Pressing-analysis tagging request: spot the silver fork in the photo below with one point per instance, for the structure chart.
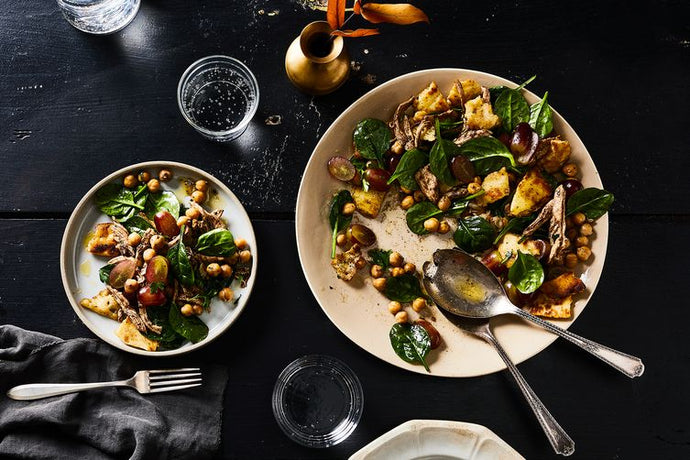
(153, 381)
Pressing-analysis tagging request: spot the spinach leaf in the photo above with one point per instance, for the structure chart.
(162, 201)
(526, 273)
(474, 234)
(403, 288)
(137, 224)
(411, 342)
(439, 157)
(189, 327)
(360, 165)
(159, 316)
(593, 202)
(489, 165)
(483, 148)
(336, 218)
(496, 91)
(540, 117)
(420, 212)
(372, 139)
(512, 108)
(459, 206)
(118, 201)
(104, 273)
(380, 257)
(526, 82)
(410, 163)
(516, 225)
(217, 242)
(179, 262)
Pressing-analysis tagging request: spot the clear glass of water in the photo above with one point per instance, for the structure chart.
(317, 401)
(99, 16)
(218, 96)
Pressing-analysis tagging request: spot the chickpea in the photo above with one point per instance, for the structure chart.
(418, 196)
(245, 256)
(419, 304)
(134, 239)
(586, 229)
(197, 309)
(397, 271)
(581, 241)
(213, 269)
(201, 185)
(473, 188)
(584, 253)
(376, 271)
(401, 317)
(158, 243)
(398, 148)
(164, 175)
(154, 186)
(360, 263)
(394, 307)
(571, 234)
(232, 260)
(198, 196)
(407, 202)
(144, 176)
(183, 220)
(226, 294)
(340, 240)
(395, 259)
(187, 310)
(192, 213)
(405, 190)
(571, 260)
(226, 270)
(570, 169)
(149, 254)
(444, 203)
(131, 286)
(443, 227)
(241, 243)
(130, 181)
(431, 225)
(579, 218)
(409, 268)
(379, 283)
(348, 209)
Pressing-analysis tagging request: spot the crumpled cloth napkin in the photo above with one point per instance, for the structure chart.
(106, 423)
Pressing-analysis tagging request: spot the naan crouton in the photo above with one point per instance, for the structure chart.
(368, 203)
(496, 185)
(128, 333)
(564, 285)
(531, 194)
(431, 100)
(102, 303)
(548, 307)
(480, 115)
(103, 243)
(345, 263)
(552, 154)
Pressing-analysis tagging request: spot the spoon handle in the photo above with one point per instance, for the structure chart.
(559, 439)
(627, 364)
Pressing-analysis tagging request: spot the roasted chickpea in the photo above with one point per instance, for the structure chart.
(579, 218)
(570, 260)
(406, 190)
(360, 263)
(473, 188)
(394, 307)
(340, 240)
(197, 309)
(570, 169)
(431, 225)
(131, 286)
(192, 213)
(134, 239)
(586, 229)
(241, 243)
(183, 220)
(187, 309)
(397, 271)
(348, 209)
(419, 304)
(198, 196)
(154, 186)
(581, 241)
(407, 202)
(158, 243)
(232, 260)
(144, 176)
(149, 254)
(444, 203)
(571, 233)
(226, 270)
(395, 259)
(401, 317)
(569, 222)
(164, 175)
(226, 294)
(376, 271)
(213, 269)
(409, 268)
(379, 284)
(201, 185)
(245, 256)
(418, 196)
(130, 181)
(443, 227)
(584, 253)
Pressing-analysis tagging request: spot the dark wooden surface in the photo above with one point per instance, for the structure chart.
(74, 108)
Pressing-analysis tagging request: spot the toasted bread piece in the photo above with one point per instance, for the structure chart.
(102, 243)
(552, 154)
(510, 245)
(102, 303)
(345, 263)
(368, 203)
(548, 307)
(431, 100)
(496, 186)
(129, 334)
(480, 114)
(564, 285)
(531, 193)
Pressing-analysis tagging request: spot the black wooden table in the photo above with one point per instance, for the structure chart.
(74, 107)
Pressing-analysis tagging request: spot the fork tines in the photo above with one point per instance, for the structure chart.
(174, 379)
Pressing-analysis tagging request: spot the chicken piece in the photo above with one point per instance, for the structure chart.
(425, 131)
(470, 90)
(431, 100)
(455, 95)
(368, 203)
(552, 154)
(103, 242)
(400, 124)
(127, 308)
(547, 307)
(480, 115)
(564, 285)
(469, 134)
(102, 303)
(129, 334)
(428, 183)
(531, 193)
(345, 263)
(496, 185)
(554, 212)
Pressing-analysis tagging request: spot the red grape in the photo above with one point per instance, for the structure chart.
(571, 186)
(362, 235)
(121, 273)
(341, 168)
(166, 224)
(524, 142)
(492, 261)
(377, 178)
(392, 162)
(148, 298)
(462, 169)
(157, 270)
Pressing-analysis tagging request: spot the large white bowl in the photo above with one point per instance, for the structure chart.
(79, 268)
(356, 308)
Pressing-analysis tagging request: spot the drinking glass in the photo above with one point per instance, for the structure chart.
(99, 16)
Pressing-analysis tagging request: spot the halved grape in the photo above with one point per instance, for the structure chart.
(524, 142)
(462, 169)
(341, 168)
(377, 178)
(392, 162)
(571, 186)
(121, 273)
(362, 235)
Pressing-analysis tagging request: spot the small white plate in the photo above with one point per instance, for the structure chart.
(79, 268)
(356, 308)
(438, 439)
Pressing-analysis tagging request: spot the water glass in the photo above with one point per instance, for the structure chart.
(99, 16)
(218, 96)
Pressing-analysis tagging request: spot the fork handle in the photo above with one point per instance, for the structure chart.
(33, 391)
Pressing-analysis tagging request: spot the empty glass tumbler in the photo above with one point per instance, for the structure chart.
(99, 16)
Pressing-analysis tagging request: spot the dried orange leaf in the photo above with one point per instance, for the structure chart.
(396, 13)
(355, 33)
(335, 14)
(357, 7)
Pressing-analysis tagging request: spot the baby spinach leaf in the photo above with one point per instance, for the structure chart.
(439, 157)
(403, 288)
(420, 212)
(360, 165)
(540, 117)
(189, 327)
(217, 242)
(104, 273)
(496, 91)
(336, 218)
(179, 261)
(162, 201)
(526, 273)
(380, 257)
(411, 342)
(137, 224)
(410, 163)
(592, 202)
(118, 201)
(474, 234)
(372, 138)
(485, 147)
(512, 108)
(459, 206)
(159, 316)
(515, 225)
(526, 82)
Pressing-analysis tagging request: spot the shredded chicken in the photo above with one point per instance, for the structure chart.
(428, 183)
(400, 124)
(121, 234)
(147, 322)
(127, 308)
(486, 95)
(554, 212)
(467, 134)
(456, 192)
(426, 124)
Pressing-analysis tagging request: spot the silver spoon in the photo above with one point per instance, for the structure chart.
(462, 285)
(559, 439)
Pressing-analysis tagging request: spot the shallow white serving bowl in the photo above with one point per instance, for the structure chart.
(360, 311)
(79, 268)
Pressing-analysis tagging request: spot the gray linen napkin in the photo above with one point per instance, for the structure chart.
(107, 423)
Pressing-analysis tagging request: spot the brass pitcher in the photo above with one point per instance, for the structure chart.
(316, 62)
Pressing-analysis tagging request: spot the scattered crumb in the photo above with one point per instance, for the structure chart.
(274, 120)
(274, 13)
(369, 79)
(365, 51)
(355, 66)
